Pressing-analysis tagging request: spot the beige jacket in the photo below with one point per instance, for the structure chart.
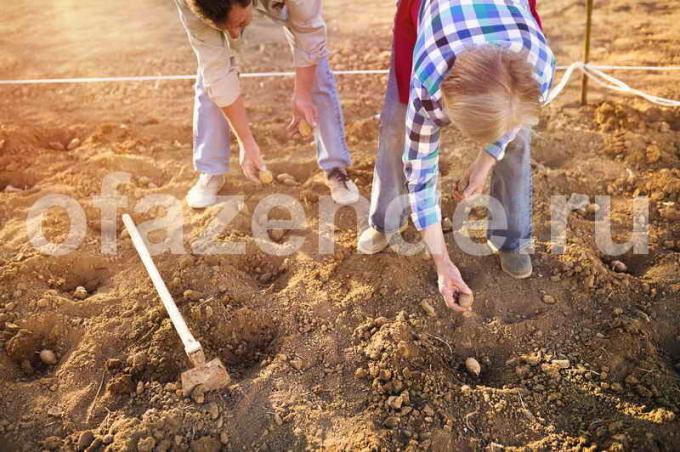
(217, 64)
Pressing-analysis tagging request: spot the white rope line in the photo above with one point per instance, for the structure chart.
(557, 89)
(593, 71)
(606, 81)
(609, 82)
(152, 78)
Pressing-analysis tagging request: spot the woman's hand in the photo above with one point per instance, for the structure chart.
(474, 177)
(451, 284)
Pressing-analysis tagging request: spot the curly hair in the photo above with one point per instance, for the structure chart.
(215, 12)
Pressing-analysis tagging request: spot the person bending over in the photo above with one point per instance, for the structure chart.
(484, 66)
(214, 29)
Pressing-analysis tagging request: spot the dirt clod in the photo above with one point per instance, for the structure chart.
(85, 439)
(428, 308)
(198, 394)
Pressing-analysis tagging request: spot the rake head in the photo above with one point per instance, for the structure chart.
(212, 375)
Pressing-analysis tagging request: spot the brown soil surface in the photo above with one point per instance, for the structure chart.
(328, 352)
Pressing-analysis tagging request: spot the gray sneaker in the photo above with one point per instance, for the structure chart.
(517, 265)
(343, 190)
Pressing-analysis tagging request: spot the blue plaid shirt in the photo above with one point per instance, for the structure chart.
(445, 29)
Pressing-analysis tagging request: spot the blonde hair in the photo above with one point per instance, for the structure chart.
(491, 91)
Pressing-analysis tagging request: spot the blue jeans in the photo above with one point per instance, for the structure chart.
(510, 182)
(212, 133)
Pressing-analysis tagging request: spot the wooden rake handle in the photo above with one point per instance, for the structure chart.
(191, 346)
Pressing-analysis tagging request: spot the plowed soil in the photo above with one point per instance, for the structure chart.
(336, 351)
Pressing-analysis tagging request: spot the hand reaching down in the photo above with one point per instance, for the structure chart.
(474, 177)
(451, 285)
(251, 162)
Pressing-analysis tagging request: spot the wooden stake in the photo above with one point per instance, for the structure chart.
(586, 51)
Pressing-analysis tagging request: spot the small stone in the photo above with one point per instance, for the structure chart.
(80, 293)
(549, 299)
(391, 421)
(113, 364)
(522, 371)
(653, 153)
(592, 208)
(616, 387)
(631, 380)
(619, 267)
(48, 357)
(52, 443)
(224, 437)
(107, 439)
(297, 363)
(213, 410)
(395, 402)
(56, 145)
(472, 366)
(428, 410)
(447, 225)
(74, 143)
(284, 177)
(146, 444)
(380, 321)
(191, 295)
(205, 444)
(85, 439)
(277, 234)
(385, 375)
(643, 391)
(277, 419)
(140, 388)
(198, 394)
(360, 372)
(43, 303)
(562, 363)
(554, 396)
(427, 307)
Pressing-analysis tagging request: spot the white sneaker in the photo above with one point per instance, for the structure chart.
(343, 190)
(372, 241)
(204, 192)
